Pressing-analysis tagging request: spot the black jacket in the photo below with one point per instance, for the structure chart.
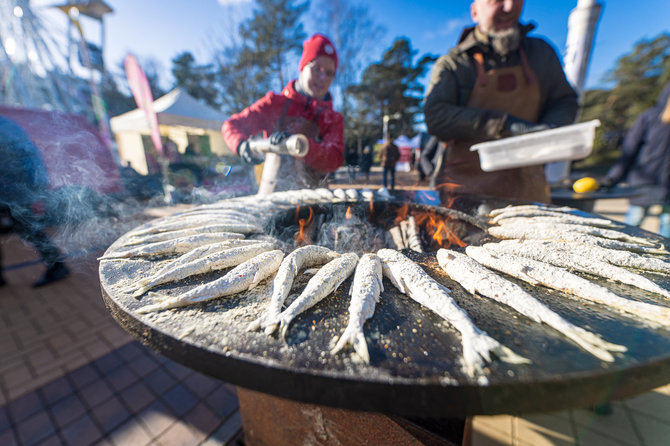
(645, 157)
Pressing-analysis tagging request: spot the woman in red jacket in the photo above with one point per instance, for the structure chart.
(304, 106)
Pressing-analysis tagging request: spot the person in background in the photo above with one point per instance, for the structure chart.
(645, 164)
(389, 156)
(351, 159)
(304, 107)
(23, 183)
(366, 162)
(496, 82)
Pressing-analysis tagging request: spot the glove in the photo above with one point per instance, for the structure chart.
(277, 138)
(247, 155)
(514, 126)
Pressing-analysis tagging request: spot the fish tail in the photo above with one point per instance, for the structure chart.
(283, 328)
(143, 287)
(361, 347)
(270, 327)
(355, 338)
(162, 302)
(255, 325)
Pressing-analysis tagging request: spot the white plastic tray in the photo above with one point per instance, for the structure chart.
(561, 144)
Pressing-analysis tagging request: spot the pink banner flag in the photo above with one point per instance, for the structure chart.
(139, 85)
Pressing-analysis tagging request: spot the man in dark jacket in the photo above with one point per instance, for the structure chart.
(389, 156)
(497, 82)
(23, 182)
(645, 163)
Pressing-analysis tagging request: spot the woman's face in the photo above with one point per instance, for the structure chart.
(317, 76)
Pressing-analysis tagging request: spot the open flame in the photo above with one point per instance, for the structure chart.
(302, 238)
(347, 215)
(435, 228)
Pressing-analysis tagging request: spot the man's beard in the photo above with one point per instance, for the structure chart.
(505, 41)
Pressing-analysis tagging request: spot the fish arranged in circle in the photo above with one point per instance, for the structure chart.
(541, 245)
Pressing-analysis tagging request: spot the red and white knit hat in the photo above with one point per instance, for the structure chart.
(315, 46)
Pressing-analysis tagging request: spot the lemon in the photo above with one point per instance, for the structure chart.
(586, 184)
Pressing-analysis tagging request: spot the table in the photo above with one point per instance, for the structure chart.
(414, 372)
(586, 201)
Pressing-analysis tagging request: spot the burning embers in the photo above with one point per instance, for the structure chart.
(368, 227)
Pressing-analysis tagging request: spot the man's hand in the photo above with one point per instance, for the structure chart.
(277, 138)
(247, 155)
(514, 126)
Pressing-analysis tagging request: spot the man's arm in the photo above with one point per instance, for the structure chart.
(259, 116)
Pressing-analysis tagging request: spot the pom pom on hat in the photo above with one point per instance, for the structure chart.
(315, 46)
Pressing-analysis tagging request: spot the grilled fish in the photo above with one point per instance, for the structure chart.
(579, 262)
(303, 257)
(412, 280)
(558, 218)
(468, 271)
(171, 235)
(364, 291)
(616, 257)
(569, 227)
(325, 281)
(535, 273)
(243, 277)
(530, 210)
(212, 261)
(176, 246)
(548, 233)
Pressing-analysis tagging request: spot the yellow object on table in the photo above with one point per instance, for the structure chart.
(586, 184)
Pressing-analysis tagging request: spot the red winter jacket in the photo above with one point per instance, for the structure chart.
(326, 154)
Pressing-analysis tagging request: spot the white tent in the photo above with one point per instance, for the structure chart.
(177, 108)
(181, 118)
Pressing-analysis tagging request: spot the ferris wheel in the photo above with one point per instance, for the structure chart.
(36, 62)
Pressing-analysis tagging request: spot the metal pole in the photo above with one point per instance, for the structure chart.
(579, 42)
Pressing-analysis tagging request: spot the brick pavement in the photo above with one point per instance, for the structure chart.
(69, 375)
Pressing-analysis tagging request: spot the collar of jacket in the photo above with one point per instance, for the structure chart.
(469, 40)
(290, 92)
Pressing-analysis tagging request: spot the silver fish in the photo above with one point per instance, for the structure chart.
(243, 277)
(171, 235)
(530, 209)
(351, 194)
(306, 256)
(548, 233)
(324, 282)
(412, 280)
(616, 257)
(339, 195)
(187, 266)
(195, 222)
(535, 273)
(558, 218)
(365, 291)
(584, 229)
(578, 262)
(326, 194)
(468, 271)
(177, 246)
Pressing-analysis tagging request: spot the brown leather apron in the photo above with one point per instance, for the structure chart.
(513, 90)
(293, 173)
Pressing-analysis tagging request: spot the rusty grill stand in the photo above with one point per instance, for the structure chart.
(272, 421)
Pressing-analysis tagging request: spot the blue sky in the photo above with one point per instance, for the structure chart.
(163, 28)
